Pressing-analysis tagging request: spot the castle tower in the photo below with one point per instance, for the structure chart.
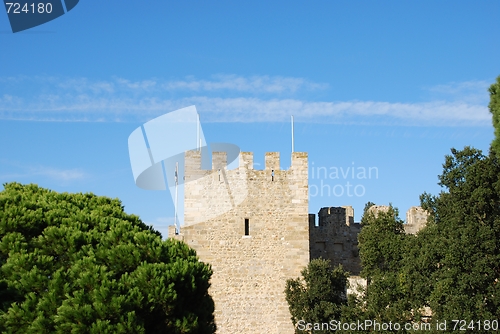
(335, 237)
(252, 227)
(416, 219)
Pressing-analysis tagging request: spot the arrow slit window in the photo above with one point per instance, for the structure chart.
(247, 226)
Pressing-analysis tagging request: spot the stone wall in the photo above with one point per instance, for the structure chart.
(250, 269)
(335, 237)
(416, 219)
(378, 208)
(357, 285)
(253, 227)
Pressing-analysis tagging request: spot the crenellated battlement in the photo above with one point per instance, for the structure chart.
(335, 237)
(272, 160)
(416, 217)
(253, 226)
(219, 160)
(219, 189)
(343, 214)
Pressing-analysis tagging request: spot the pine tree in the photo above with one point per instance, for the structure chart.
(77, 263)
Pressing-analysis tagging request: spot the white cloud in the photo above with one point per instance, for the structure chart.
(254, 84)
(59, 174)
(138, 85)
(161, 221)
(56, 174)
(84, 108)
(248, 110)
(82, 85)
(475, 91)
(124, 100)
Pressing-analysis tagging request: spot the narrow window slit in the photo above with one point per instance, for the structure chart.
(247, 226)
(272, 175)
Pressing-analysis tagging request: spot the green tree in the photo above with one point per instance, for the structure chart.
(381, 241)
(451, 267)
(494, 107)
(318, 296)
(459, 250)
(77, 263)
(382, 249)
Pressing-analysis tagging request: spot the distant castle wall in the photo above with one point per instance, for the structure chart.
(416, 217)
(335, 237)
(252, 227)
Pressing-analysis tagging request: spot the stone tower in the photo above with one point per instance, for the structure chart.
(416, 219)
(252, 227)
(335, 237)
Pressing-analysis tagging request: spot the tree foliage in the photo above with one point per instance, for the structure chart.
(381, 242)
(494, 107)
(77, 263)
(449, 270)
(318, 296)
(383, 245)
(459, 252)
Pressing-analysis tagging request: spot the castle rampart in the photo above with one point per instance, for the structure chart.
(416, 218)
(335, 237)
(251, 226)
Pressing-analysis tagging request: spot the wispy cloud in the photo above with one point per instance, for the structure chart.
(55, 174)
(439, 113)
(144, 85)
(258, 99)
(83, 85)
(475, 91)
(60, 174)
(84, 108)
(218, 83)
(254, 84)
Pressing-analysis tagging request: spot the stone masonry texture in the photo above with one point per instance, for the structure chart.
(254, 228)
(250, 271)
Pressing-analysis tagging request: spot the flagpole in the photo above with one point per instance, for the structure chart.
(177, 228)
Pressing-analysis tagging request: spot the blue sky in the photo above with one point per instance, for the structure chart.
(390, 85)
